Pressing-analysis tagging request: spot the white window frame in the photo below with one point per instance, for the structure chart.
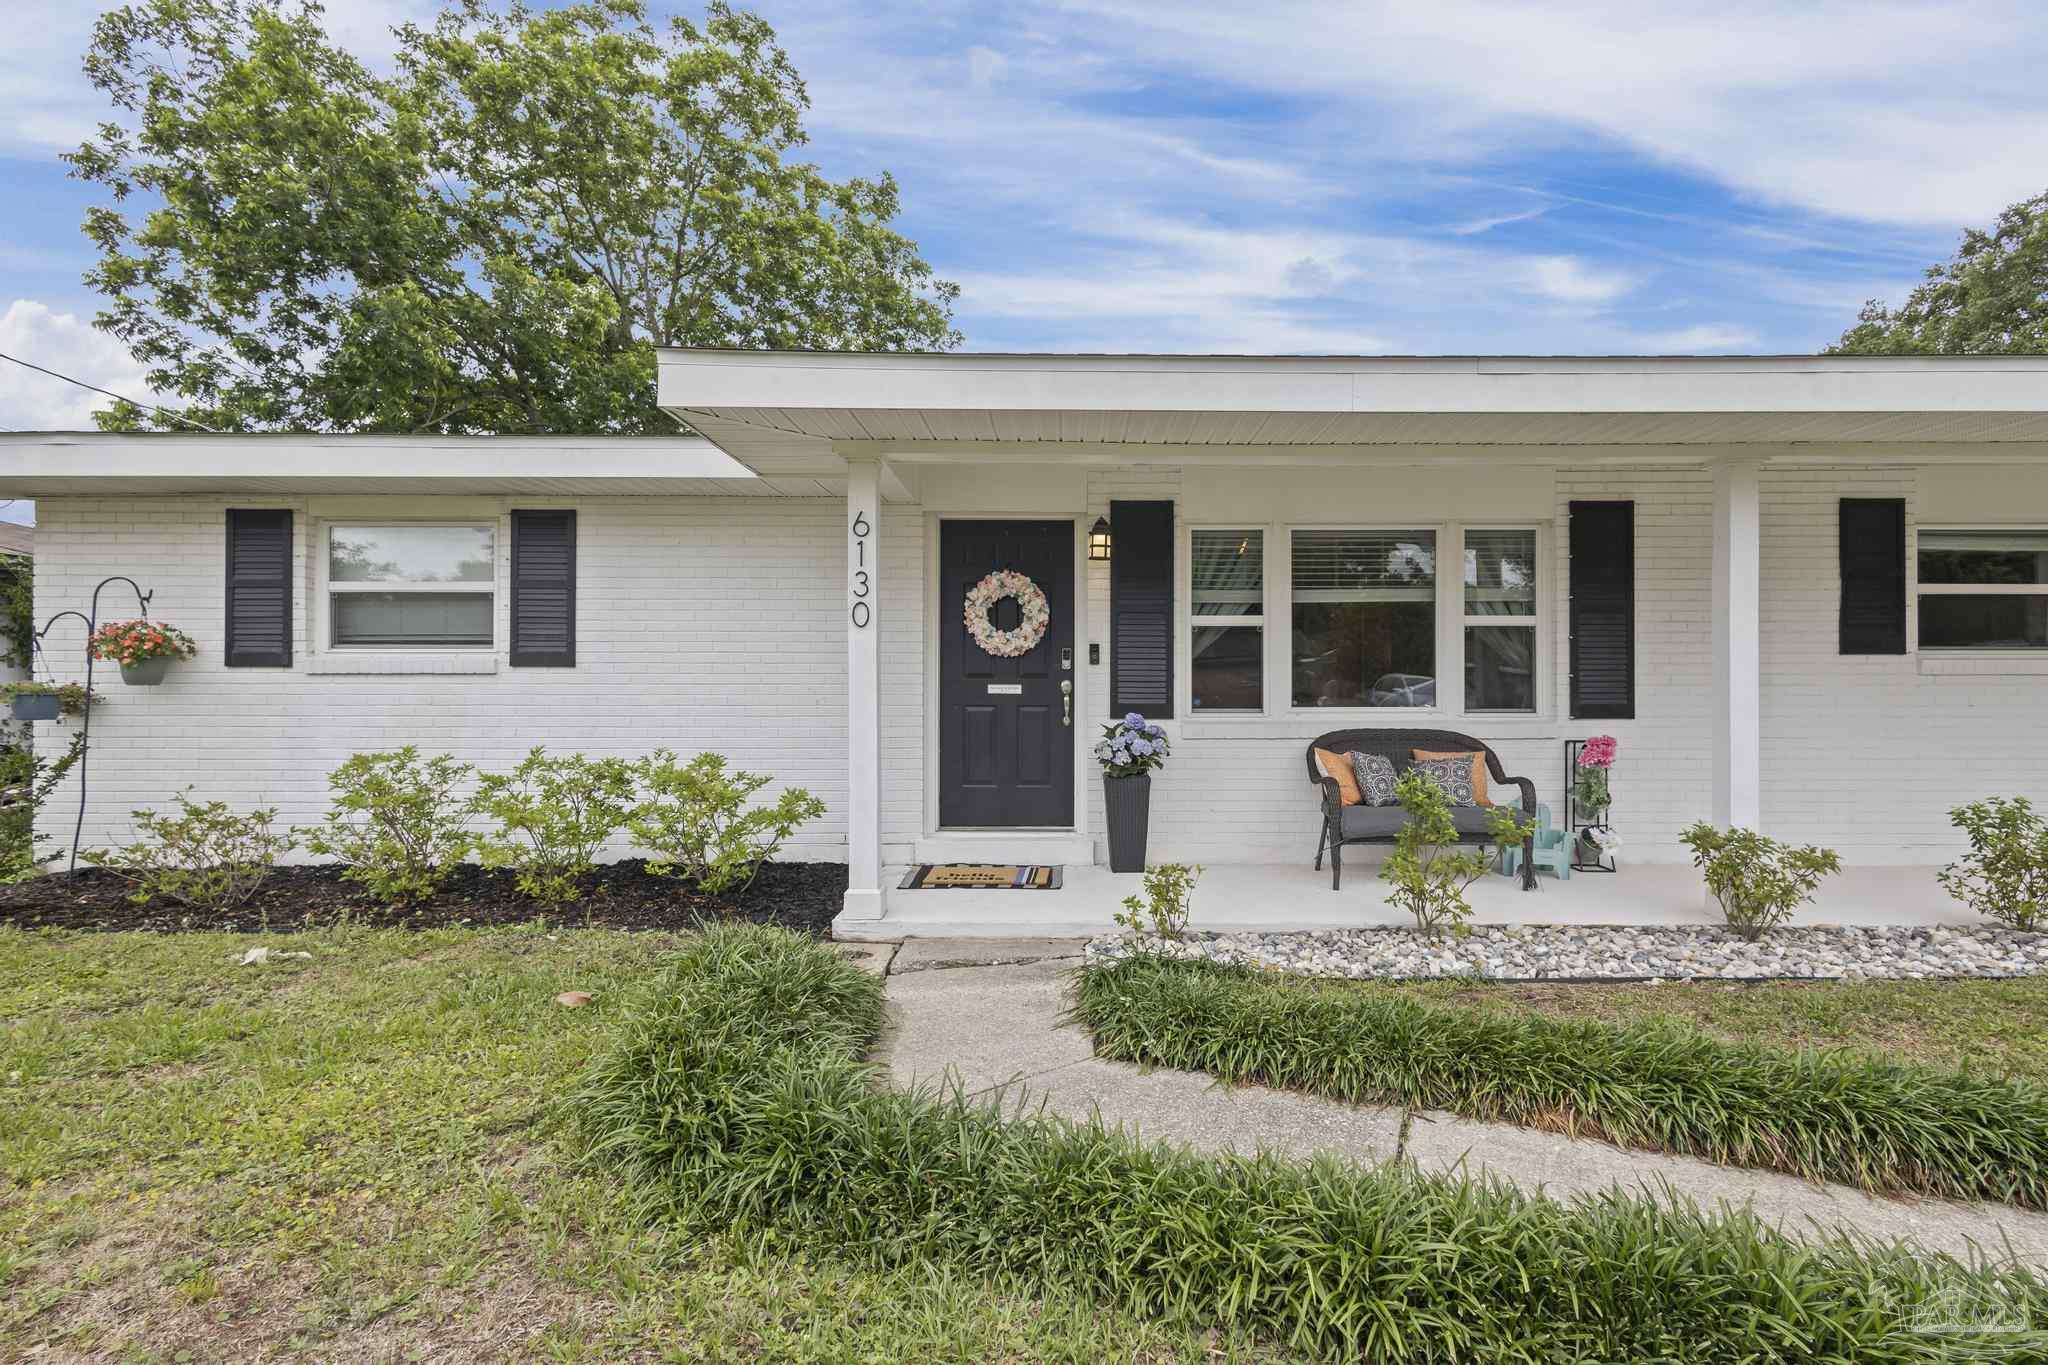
(1184, 646)
(326, 587)
(1920, 589)
(1443, 533)
(1539, 645)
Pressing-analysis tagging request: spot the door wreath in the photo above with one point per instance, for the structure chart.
(1007, 644)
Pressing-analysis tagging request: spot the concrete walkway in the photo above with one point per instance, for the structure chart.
(987, 1011)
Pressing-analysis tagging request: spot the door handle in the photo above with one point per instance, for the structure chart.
(1066, 702)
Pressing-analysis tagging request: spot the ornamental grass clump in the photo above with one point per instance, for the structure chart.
(735, 1100)
(1821, 1116)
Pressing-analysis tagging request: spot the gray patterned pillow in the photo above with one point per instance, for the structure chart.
(1453, 777)
(1375, 774)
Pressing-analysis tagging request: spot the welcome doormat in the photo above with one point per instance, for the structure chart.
(982, 877)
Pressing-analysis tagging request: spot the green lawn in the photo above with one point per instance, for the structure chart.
(353, 1157)
(1997, 1028)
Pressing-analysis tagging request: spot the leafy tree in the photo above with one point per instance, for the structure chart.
(1991, 299)
(494, 237)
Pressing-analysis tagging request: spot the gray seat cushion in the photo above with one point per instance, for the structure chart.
(1384, 822)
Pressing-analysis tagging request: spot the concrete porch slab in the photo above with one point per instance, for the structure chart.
(1273, 897)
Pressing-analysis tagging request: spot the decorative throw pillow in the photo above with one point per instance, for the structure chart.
(1453, 777)
(1480, 796)
(1338, 768)
(1375, 773)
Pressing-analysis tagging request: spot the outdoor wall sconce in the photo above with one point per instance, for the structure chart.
(1098, 539)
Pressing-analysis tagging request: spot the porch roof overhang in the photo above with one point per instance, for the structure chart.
(786, 412)
(53, 464)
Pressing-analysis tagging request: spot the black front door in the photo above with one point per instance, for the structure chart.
(1006, 738)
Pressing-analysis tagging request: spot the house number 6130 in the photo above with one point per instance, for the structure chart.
(862, 613)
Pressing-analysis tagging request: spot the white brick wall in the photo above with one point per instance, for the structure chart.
(703, 623)
(1662, 779)
(718, 623)
(1868, 754)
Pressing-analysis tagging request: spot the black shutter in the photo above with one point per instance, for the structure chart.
(543, 589)
(259, 577)
(1873, 552)
(1603, 610)
(1141, 608)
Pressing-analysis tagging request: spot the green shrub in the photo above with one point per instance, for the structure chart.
(1758, 881)
(736, 1099)
(1649, 1085)
(204, 856)
(399, 823)
(26, 783)
(2004, 876)
(695, 821)
(1428, 871)
(1163, 910)
(553, 815)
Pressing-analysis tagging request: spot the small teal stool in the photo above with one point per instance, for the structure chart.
(1553, 849)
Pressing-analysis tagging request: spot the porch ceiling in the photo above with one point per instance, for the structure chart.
(790, 412)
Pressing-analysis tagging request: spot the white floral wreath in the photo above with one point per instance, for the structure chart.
(1007, 644)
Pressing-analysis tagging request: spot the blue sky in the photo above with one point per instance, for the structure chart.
(1291, 176)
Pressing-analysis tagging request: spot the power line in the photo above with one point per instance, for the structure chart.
(155, 407)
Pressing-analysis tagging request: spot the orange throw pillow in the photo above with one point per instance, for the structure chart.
(1479, 796)
(1339, 767)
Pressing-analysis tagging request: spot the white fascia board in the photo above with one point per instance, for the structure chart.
(284, 458)
(1535, 384)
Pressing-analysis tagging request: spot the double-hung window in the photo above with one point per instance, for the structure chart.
(1364, 618)
(1500, 620)
(410, 585)
(1227, 607)
(1983, 589)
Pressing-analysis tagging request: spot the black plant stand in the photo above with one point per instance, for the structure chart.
(92, 624)
(1578, 821)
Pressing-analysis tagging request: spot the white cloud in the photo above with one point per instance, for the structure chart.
(69, 345)
(1697, 339)
(1472, 227)
(1885, 111)
(46, 104)
(985, 65)
(1567, 279)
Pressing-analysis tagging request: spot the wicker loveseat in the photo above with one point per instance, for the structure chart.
(1342, 824)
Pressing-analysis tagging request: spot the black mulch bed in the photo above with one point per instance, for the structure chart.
(799, 896)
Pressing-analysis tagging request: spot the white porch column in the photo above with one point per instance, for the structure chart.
(863, 692)
(1738, 656)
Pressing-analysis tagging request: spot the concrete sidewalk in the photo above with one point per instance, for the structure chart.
(996, 1026)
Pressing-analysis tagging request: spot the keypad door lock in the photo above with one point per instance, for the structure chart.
(1067, 658)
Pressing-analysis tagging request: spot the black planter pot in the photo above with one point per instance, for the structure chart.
(1127, 803)
(37, 706)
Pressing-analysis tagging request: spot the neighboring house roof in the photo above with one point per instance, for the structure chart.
(17, 540)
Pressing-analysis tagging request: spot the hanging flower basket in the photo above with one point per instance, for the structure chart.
(36, 706)
(45, 701)
(143, 648)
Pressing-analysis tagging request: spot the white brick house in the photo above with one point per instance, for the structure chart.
(784, 588)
